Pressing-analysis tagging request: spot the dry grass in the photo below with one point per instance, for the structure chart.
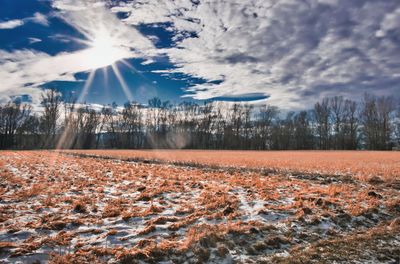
(363, 164)
(94, 209)
(356, 247)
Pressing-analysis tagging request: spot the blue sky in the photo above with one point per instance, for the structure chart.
(288, 53)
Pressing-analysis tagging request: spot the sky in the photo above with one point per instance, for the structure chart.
(288, 53)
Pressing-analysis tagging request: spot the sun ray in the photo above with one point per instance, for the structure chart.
(81, 41)
(122, 82)
(105, 75)
(86, 88)
(127, 64)
(63, 138)
(130, 66)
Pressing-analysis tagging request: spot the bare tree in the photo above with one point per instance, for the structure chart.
(13, 119)
(132, 124)
(351, 125)
(265, 119)
(375, 119)
(247, 126)
(322, 117)
(337, 109)
(302, 131)
(51, 102)
(397, 127)
(334, 123)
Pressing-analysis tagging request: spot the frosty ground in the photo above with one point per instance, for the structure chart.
(77, 207)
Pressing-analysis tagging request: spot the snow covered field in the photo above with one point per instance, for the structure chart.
(71, 208)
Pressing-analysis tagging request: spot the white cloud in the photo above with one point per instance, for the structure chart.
(293, 51)
(22, 71)
(391, 21)
(71, 5)
(36, 18)
(40, 19)
(10, 24)
(34, 40)
(97, 20)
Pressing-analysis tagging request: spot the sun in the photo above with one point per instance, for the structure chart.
(104, 51)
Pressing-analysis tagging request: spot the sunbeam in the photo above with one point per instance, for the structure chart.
(122, 82)
(130, 66)
(106, 42)
(105, 76)
(104, 50)
(64, 136)
(105, 79)
(86, 88)
(127, 64)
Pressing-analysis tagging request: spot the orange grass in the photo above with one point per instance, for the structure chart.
(96, 206)
(363, 164)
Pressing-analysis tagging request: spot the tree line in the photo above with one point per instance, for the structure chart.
(333, 123)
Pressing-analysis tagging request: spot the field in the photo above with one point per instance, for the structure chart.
(199, 207)
(362, 165)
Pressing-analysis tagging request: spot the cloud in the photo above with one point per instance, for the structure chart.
(36, 18)
(39, 19)
(254, 98)
(10, 24)
(77, 5)
(293, 52)
(34, 40)
(93, 21)
(285, 49)
(23, 71)
(390, 22)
